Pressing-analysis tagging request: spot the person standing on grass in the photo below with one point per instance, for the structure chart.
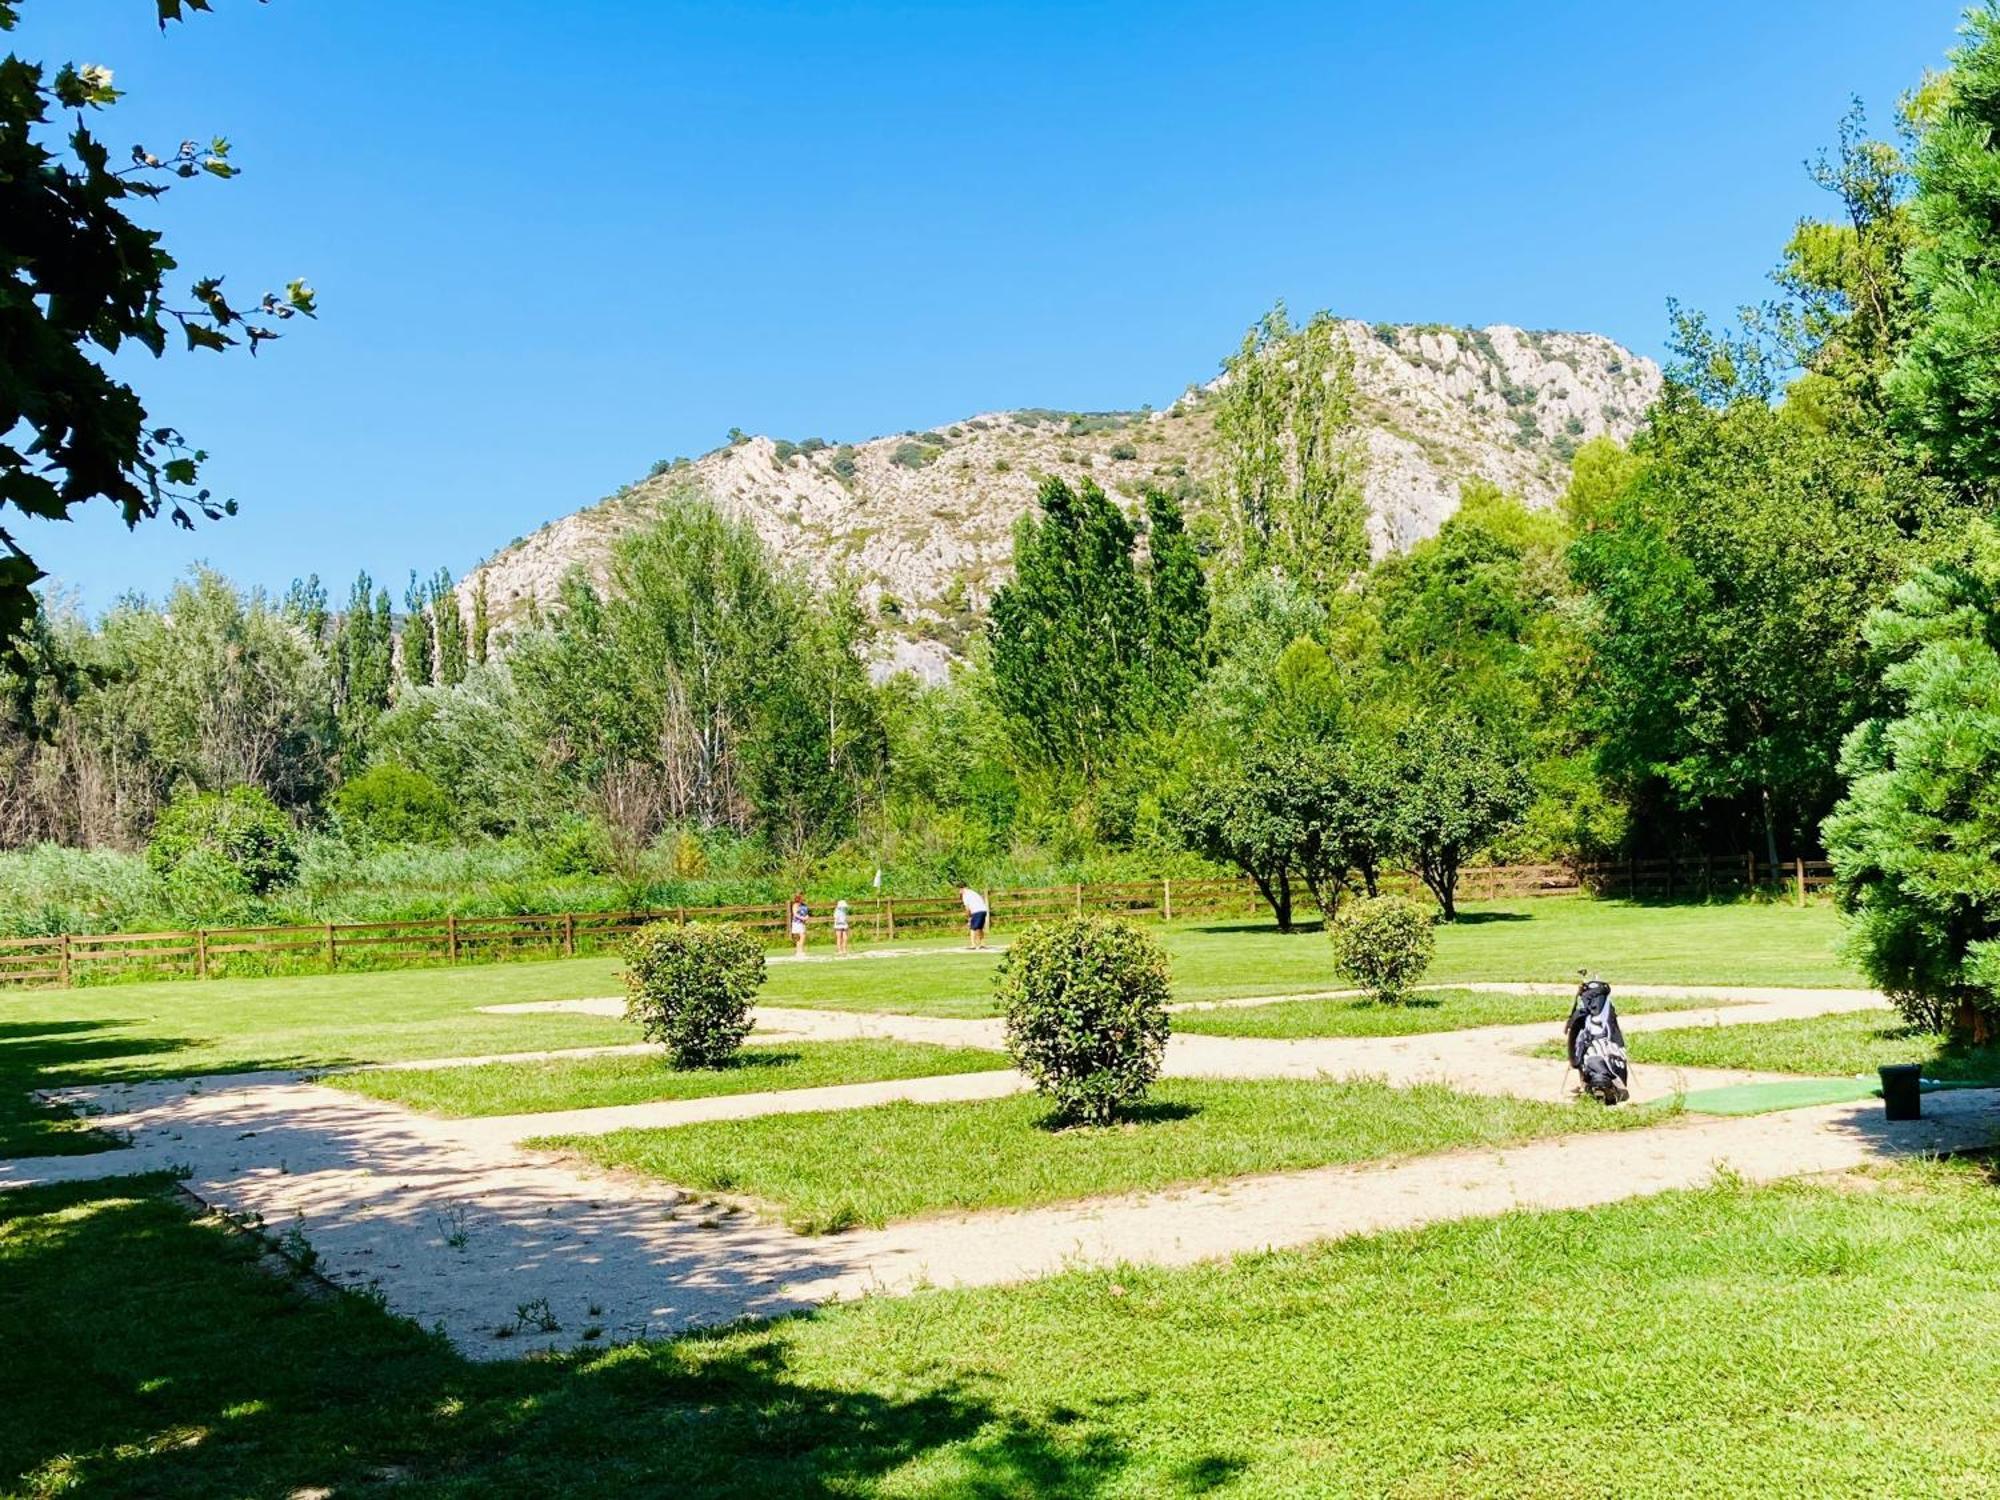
(840, 921)
(799, 911)
(975, 916)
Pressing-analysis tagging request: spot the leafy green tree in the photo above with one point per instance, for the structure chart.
(216, 689)
(1292, 466)
(1456, 792)
(1069, 632)
(1916, 841)
(1285, 813)
(1176, 609)
(448, 626)
(1946, 388)
(415, 657)
(79, 280)
(1728, 582)
(482, 625)
(393, 804)
(470, 739)
(240, 827)
(363, 664)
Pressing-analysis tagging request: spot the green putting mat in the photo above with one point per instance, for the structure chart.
(1762, 1098)
(1800, 1093)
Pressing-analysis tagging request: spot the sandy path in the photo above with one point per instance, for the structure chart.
(462, 1231)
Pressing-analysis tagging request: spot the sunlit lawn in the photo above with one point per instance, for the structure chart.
(596, 1082)
(175, 1028)
(1834, 1046)
(1427, 1010)
(830, 1170)
(1804, 1339)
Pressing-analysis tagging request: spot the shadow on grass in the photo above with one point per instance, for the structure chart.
(152, 1357)
(1145, 1112)
(1481, 918)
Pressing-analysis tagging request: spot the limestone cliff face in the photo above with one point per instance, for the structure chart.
(924, 520)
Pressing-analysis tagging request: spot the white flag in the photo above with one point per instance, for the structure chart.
(878, 877)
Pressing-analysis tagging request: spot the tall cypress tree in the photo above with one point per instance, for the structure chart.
(416, 655)
(1176, 608)
(1070, 632)
(449, 627)
(481, 627)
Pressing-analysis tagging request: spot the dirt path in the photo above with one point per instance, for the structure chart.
(460, 1230)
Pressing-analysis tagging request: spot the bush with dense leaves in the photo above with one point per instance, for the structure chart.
(1085, 1000)
(690, 988)
(240, 832)
(1384, 944)
(393, 804)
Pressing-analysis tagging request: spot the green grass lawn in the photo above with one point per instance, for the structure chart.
(593, 1082)
(1544, 940)
(1833, 1046)
(1428, 1010)
(1807, 1339)
(832, 1170)
(169, 1028)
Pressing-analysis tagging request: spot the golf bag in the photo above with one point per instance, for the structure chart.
(1597, 1044)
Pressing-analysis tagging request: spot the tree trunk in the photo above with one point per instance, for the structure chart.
(1284, 901)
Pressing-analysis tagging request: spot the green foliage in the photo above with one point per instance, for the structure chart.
(1455, 793)
(1916, 841)
(1085, 1000)
(1946, 388)
(237, 836)
(1729, 580)
(392, 804)
(690, 989)
(1176, 608)
(416, 659)
(1292, 467)
(1317, 813)
(81, 281)
(1384, 944)
(914, 455)
(1068, 632)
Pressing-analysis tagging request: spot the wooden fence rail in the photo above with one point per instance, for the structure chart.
(71, 958)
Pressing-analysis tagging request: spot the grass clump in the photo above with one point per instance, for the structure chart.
(505, 1088)
(828, 1171)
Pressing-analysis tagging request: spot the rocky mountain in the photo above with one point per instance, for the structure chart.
(924, 520)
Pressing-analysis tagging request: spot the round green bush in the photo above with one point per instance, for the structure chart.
(1384, 944)
(392, 804)
(1086, 1002)
(241, 828)
(690, 988)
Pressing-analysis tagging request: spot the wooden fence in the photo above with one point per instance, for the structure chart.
(74, 958)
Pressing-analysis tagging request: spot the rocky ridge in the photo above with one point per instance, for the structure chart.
(924, 520)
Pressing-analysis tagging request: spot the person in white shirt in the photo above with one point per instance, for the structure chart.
(840, 923)
(975, 915)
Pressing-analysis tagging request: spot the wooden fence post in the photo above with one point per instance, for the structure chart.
(451, 936)
(1707, 874)
(1079, 898)
(332, 955)
(1166, 899)
(62, 962)
(201, 953)
(569, 934)
(1750, 872)
(889, 905)
(1799, 866)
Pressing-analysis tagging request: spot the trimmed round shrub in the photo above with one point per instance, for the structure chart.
(690, 989)
(1086, 1002)
(1384, 944)
(393, 804)
(241, 828)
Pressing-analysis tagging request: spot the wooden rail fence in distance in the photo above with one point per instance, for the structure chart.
(324, 947)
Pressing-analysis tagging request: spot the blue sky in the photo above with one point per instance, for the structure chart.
(556, 241)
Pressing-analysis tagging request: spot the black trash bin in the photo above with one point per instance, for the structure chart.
(1902, 1098)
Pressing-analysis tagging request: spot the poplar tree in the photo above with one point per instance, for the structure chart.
(416, 654)
(1070, 632)
(1292, 463)
(1176, 608)
(448, 628)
